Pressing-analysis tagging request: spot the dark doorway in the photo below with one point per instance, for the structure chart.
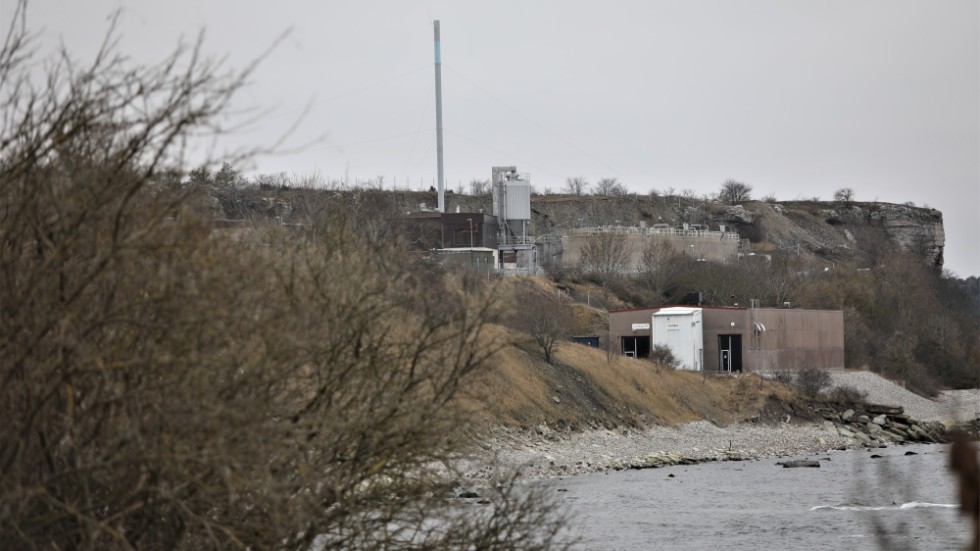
(730, 353)
(636, 347)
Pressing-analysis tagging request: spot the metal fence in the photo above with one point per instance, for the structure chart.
(667, 232)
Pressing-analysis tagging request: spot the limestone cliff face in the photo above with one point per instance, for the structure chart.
(824, 229)
(827, 230)
(837, 232)
(913, 229)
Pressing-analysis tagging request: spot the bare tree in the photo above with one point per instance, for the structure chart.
(844, 196)
(660, 266)
(606, 257)
(734, 192)
(479, 187)
(544, 316)
(575, 186)
(609, 186)
(164, 386)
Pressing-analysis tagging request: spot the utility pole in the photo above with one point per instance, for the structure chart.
(470, 220)
(441, 189)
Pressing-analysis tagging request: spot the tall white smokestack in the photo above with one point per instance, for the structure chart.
(442, 191)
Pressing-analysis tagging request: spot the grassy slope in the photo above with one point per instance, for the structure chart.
(586, 388)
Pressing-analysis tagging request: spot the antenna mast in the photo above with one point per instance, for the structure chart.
(442, 195)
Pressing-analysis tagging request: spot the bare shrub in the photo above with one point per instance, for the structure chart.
(480, 187)
(576, 185)
(812, 380)
(844, 196)
(610, 187)
(734, 192)
(606, 257)
(847, 394)
(784, 376)
(664, 356)
(166, 385)
(660, 267)
(562, 274)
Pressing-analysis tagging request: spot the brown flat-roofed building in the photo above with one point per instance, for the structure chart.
(741, 339)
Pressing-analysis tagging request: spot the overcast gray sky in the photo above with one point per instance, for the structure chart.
(796, 98)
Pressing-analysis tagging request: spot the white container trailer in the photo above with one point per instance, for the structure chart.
(681, 330)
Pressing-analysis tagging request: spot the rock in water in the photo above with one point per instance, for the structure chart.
(797, 463)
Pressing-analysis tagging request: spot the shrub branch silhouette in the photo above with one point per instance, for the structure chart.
(169, 385)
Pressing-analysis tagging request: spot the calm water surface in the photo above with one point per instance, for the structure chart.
(851, 502)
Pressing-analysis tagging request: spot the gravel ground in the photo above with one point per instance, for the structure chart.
(951, 404)
(548, 454)
(545, 453)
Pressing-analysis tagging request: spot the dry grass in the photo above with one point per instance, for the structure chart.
(588, 388)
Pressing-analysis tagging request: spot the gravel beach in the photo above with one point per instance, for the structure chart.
(545, 453)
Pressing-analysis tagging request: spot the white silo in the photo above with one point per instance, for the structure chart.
(512, 207)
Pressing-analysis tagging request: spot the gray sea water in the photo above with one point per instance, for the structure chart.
(853, 501)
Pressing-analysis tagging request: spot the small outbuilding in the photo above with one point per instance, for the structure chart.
(681, 330)
(723, 339)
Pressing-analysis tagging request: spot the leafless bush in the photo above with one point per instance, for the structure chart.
(562, 273)
(609, 186)
(847, 394)
(660, 268)
(844, 196)
(734, 192)
(480, 187)
(576, 185)
(812, 380)
(784, 376)
(605, 257)
(167, 385)
(664, 356)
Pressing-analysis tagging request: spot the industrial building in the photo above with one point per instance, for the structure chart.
(477, 241)
(693, 240)
(732, 339)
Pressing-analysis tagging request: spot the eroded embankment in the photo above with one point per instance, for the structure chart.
(590, 412)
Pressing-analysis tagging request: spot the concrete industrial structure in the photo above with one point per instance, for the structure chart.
(512, 207)
(500, 243)
(694, 240)
(723, 339)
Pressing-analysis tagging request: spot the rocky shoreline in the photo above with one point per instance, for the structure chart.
(544, 453)
(877, 425)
